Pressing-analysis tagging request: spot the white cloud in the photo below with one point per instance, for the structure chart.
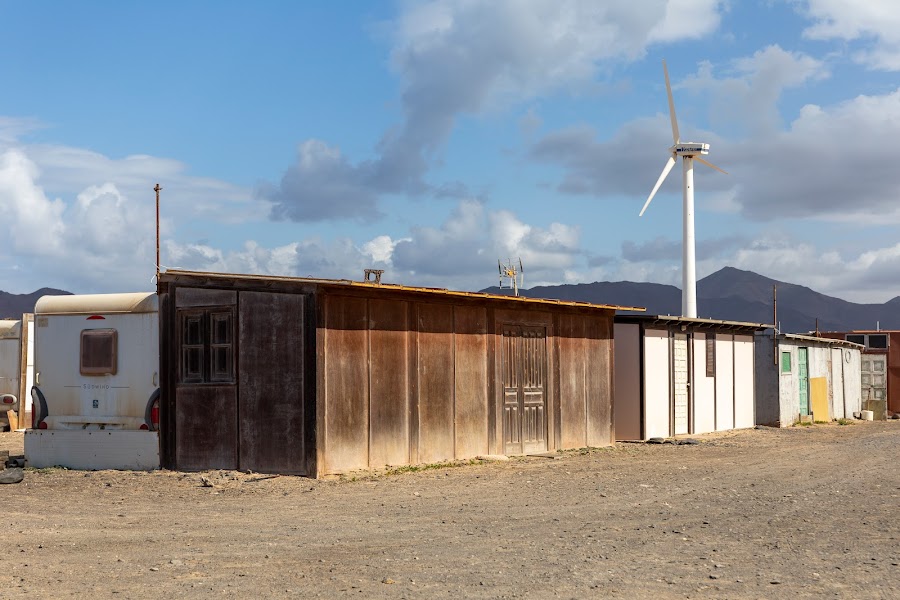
(833, 163)
(100, 238)
(875, 24)
(11, 129)
(750, 97)
(687, 19)
(99, 241)
(457, 57)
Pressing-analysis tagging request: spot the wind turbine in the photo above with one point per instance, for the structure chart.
(689, 152)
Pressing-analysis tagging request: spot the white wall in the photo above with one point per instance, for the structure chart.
(837, 383)
(10, 360)
(704, 389)
(724, 382)
(852, 382)
(744, 411)
(29, 367)
(121, 398)
(656, 383)
(627, 402)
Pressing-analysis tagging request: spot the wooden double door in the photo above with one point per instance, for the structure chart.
(524, 368)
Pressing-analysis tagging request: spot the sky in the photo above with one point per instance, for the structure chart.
(431, 139)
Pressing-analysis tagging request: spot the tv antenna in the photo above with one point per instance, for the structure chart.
(515, 277)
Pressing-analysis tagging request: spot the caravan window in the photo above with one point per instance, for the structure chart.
(99, 349)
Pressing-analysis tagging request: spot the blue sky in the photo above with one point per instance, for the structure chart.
(432, 138)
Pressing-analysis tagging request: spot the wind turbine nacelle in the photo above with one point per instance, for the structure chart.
(690, 148)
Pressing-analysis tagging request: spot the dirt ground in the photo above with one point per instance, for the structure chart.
(801, 512)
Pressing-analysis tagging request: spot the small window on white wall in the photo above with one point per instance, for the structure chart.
(710, 355)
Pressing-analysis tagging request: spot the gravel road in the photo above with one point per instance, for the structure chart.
(806, 512)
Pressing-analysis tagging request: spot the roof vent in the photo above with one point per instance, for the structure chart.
(373, 273)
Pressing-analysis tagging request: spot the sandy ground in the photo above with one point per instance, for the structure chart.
(802, 512)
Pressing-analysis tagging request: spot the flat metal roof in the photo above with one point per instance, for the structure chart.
(862, 331)
(393, 286)
(669, 320)
(824, 340)
(80, 304)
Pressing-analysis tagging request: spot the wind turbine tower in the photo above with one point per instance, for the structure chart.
(689, 152)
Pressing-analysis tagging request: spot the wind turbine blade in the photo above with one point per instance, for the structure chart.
(669, 164)
(709, 164)
(675, 135)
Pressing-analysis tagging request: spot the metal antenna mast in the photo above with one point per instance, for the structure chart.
(515, 276)
(157, 189)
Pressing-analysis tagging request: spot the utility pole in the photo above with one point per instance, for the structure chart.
(775, 322)
(157, 189)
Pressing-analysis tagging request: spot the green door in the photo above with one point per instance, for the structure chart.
(803, 376)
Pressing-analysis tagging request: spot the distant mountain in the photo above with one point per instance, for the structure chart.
(12, 306)
(734, 295)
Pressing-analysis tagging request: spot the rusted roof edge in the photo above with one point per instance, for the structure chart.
(337, 283)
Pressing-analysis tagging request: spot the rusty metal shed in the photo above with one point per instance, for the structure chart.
(317, 377)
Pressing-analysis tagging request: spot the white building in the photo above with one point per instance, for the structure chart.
(678, 376)
(804, 376)
(16, 367)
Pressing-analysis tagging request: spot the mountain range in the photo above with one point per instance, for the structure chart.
(12, 306)
(728, 294)
(734, 295)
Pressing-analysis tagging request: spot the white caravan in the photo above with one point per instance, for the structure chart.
(96, 390)
(10, 367)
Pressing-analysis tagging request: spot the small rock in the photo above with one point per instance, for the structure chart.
(154, 569)
(388, 580)
(775, 582)
(713, 576)
(12, 475)
(656, 440)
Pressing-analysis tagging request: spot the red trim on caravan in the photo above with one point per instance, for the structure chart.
(96, 318)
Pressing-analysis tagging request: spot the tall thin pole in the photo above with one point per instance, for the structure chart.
(157, 190)
(775, 322)
(688, 257)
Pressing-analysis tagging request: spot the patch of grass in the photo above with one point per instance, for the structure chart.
(803, 424)
(844, 422)
(44, 470)
(431, 466)
(821, 422)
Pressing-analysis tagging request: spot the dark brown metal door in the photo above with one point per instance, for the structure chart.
(524, 366)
